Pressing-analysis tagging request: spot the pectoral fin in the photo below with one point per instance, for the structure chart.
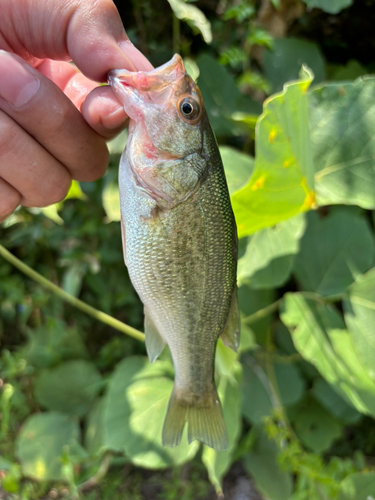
(154, 341)
(231, 332)
(123, 241)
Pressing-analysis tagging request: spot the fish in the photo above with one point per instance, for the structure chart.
(179, 240)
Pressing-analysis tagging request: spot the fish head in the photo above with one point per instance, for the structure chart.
(165, 108)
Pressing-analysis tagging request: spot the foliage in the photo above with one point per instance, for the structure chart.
(81, 407)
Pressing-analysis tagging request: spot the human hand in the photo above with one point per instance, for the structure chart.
(45, 141)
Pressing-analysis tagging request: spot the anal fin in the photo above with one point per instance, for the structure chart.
(154, 341)
(231, 333)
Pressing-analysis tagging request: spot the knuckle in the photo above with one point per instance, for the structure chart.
(56, 191)
(9, 201)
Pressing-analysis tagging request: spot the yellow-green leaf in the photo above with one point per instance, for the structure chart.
(282, 183)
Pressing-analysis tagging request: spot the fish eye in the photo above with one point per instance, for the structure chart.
(189, 109)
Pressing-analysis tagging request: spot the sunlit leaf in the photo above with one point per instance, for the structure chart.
(41, 443)
(334, 251)
(359, 308)
(111, 201)
(319, 335)
(342, 118)
(134, 412)
(238, 167)
(193, 16)
(268, 259)
(282, 182)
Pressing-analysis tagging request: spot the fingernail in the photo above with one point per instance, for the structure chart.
(139, 61)
(17, 84)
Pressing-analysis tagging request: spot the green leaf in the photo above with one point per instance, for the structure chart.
(261, 463)
(218, 462)
(221, 96)
(359, 310)
(193, 16)
(259, 397)
(75, 191)
(94, 429)
(328, 398)
(269, 255)
(282, 182)
(70, 387)
(238, 167)
(342, 121)
(335, 250)
(135, 407)
(41, 443)
(117, 145)
(319, 335)
(358, 486)
(350, 71)
(315, 426)
(283, 62)
(330, 6)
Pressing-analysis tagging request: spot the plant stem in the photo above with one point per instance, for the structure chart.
(261, 313)
(98, 476)
(79, 304)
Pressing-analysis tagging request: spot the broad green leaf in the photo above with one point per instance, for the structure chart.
(135, 407)
(218, 462)
(70, 387)
(319, 335)
(191, 68)
(282, 182)
(221, 96)
(283, 62)
(359, 310)
(315, 426)
(260, 398)
(330, 6)
(238, 167)
(334, 251)
(269, 255)
(41, 443)
(111, 201)
(328, 398)
(72, 279)
(51, 343)
(94, 429)
(261, 463)
(193, 16)
(342, 120)
(358, 486)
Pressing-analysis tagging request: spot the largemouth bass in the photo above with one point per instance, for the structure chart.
(179, 240)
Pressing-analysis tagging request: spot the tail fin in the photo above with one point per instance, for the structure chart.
(205, 420)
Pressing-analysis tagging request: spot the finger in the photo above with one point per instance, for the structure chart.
(39, 178)
(43, 111)
(90, 33)
(69, 79)
(10, 198)
(104, 113)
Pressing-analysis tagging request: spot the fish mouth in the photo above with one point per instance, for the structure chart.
(137, 89)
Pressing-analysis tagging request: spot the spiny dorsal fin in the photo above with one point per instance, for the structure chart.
(231, 332)
(154, 341)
